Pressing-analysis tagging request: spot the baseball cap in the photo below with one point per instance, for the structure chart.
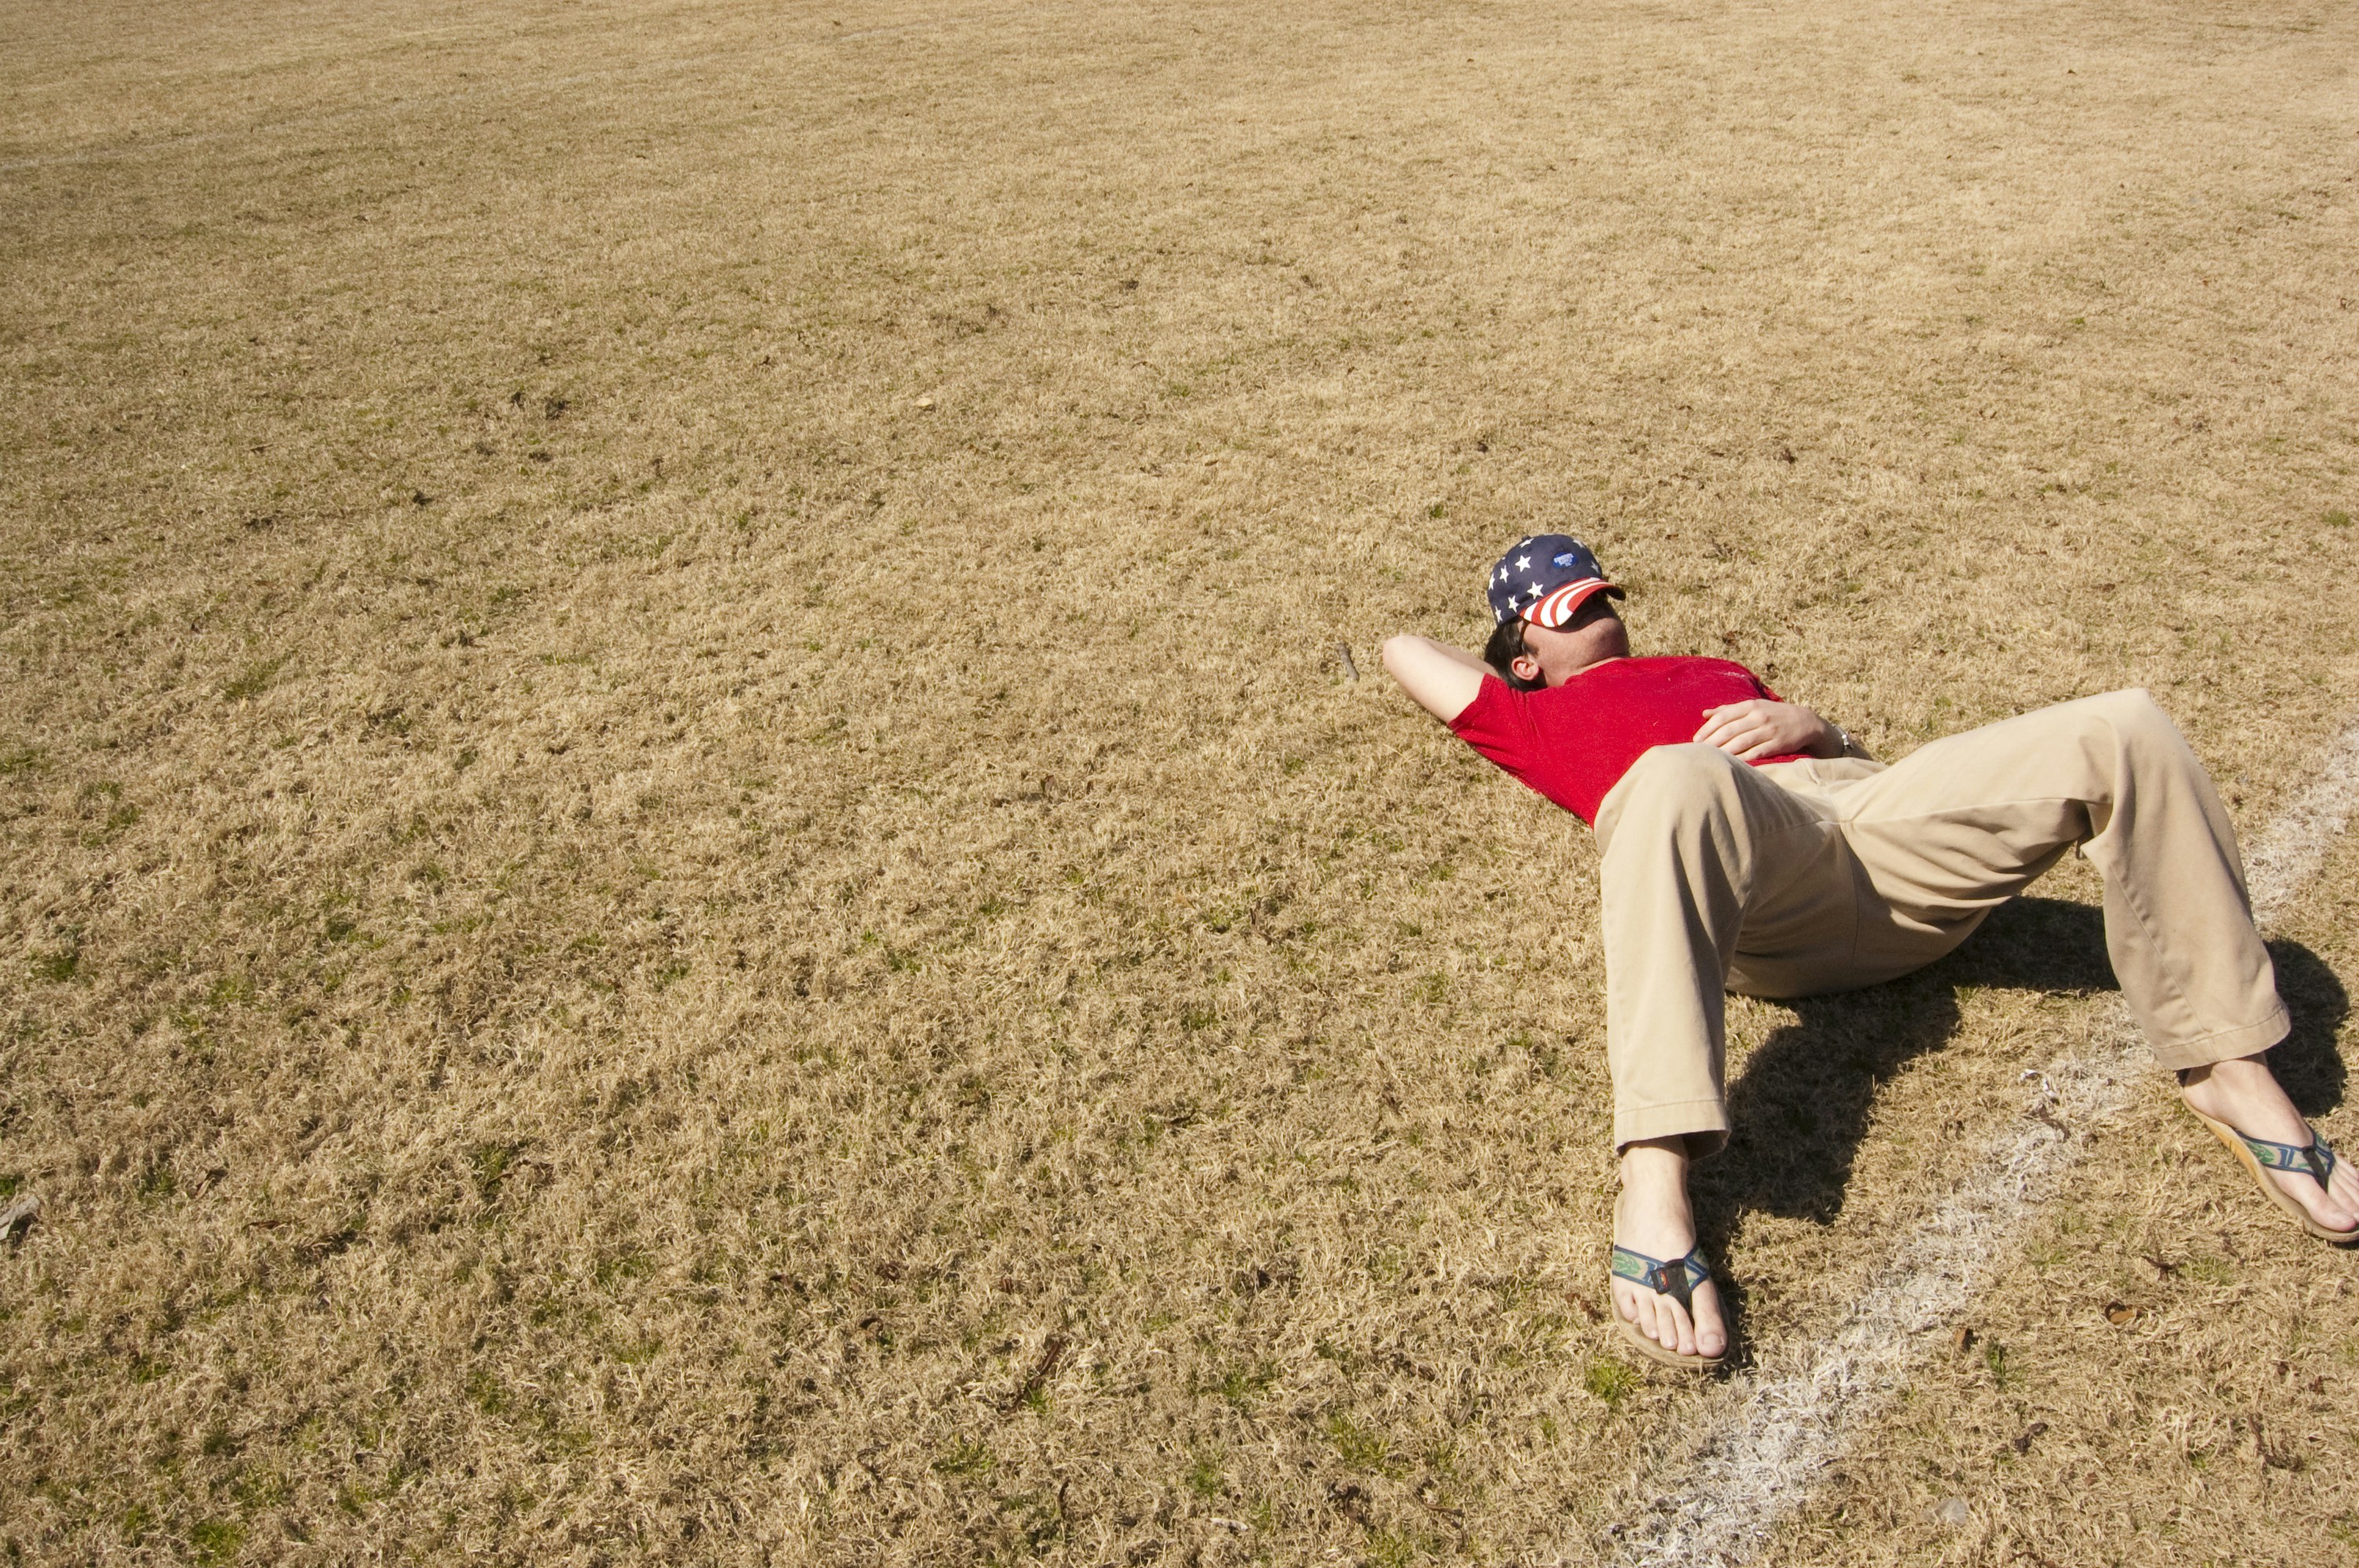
(1545, 579)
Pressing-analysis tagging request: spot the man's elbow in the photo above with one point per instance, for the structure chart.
(1397, 653)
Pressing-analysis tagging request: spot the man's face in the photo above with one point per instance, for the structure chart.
(1593, 635)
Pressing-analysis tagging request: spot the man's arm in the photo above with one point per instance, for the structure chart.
(1761, 728)
(1443, 679)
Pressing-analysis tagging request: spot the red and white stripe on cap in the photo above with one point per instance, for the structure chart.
(1556, 607)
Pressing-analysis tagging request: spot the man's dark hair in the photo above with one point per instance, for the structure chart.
(1506, 645)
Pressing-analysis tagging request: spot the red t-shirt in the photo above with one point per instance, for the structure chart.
(1573, 742)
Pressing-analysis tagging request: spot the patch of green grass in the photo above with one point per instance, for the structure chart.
(2208, 1271)
(216, 1539)
(965, 1456)
(1241, 1385)
(632, 1265)
(489, 1394)
(1361, 1447)
(251, 680)
(1204, 1476)
(59, 967)
(1995, 1359)
(491, 1163)
(1610, 1380)
(1192, 1018)
(1400, 1547)
(261, 1487)
(119, 821)
(2338, 518)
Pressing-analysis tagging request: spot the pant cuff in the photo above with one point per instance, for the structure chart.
(1703, 1122)
(2227, 1044)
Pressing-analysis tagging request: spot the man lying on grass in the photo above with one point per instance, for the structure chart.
(1745, 844)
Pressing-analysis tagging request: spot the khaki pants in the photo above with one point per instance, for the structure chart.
(1819, 876)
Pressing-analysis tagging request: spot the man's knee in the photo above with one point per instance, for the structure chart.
(2135, 715)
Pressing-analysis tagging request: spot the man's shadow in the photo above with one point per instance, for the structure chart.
(1800, 1106)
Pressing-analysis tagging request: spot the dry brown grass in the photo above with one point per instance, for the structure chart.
(620, 940)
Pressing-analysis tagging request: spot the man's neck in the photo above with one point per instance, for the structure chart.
(1597, 664)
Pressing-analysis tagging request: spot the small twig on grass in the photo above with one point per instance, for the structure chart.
(1049, 1355)
(1351, 670)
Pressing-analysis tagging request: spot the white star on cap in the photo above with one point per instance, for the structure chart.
(1523, 563)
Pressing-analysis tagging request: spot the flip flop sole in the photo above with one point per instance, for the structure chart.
(1660, 1356)
(2277, 1194)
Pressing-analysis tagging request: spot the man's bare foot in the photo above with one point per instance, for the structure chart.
(1652, 1218)
(2245, 1094)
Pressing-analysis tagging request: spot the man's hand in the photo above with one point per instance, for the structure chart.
(1764, 728)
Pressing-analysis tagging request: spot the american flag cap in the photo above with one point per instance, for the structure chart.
(1545, 579)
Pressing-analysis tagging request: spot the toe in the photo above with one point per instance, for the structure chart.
(1712, 1336)
(2334, 1206)
(1647, 1319)
(2343, 1191)
(1664, 1330)
(1682, 1337)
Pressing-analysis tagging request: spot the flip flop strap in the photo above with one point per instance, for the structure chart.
(1677, 1278)
(2314, 1159)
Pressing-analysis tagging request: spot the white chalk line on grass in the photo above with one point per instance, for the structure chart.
(1778, 1429)
(2287, 852)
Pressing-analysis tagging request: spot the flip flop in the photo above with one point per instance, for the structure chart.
(1677, 1279)
(2260, 1156)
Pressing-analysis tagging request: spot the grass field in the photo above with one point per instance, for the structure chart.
(689, 871)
